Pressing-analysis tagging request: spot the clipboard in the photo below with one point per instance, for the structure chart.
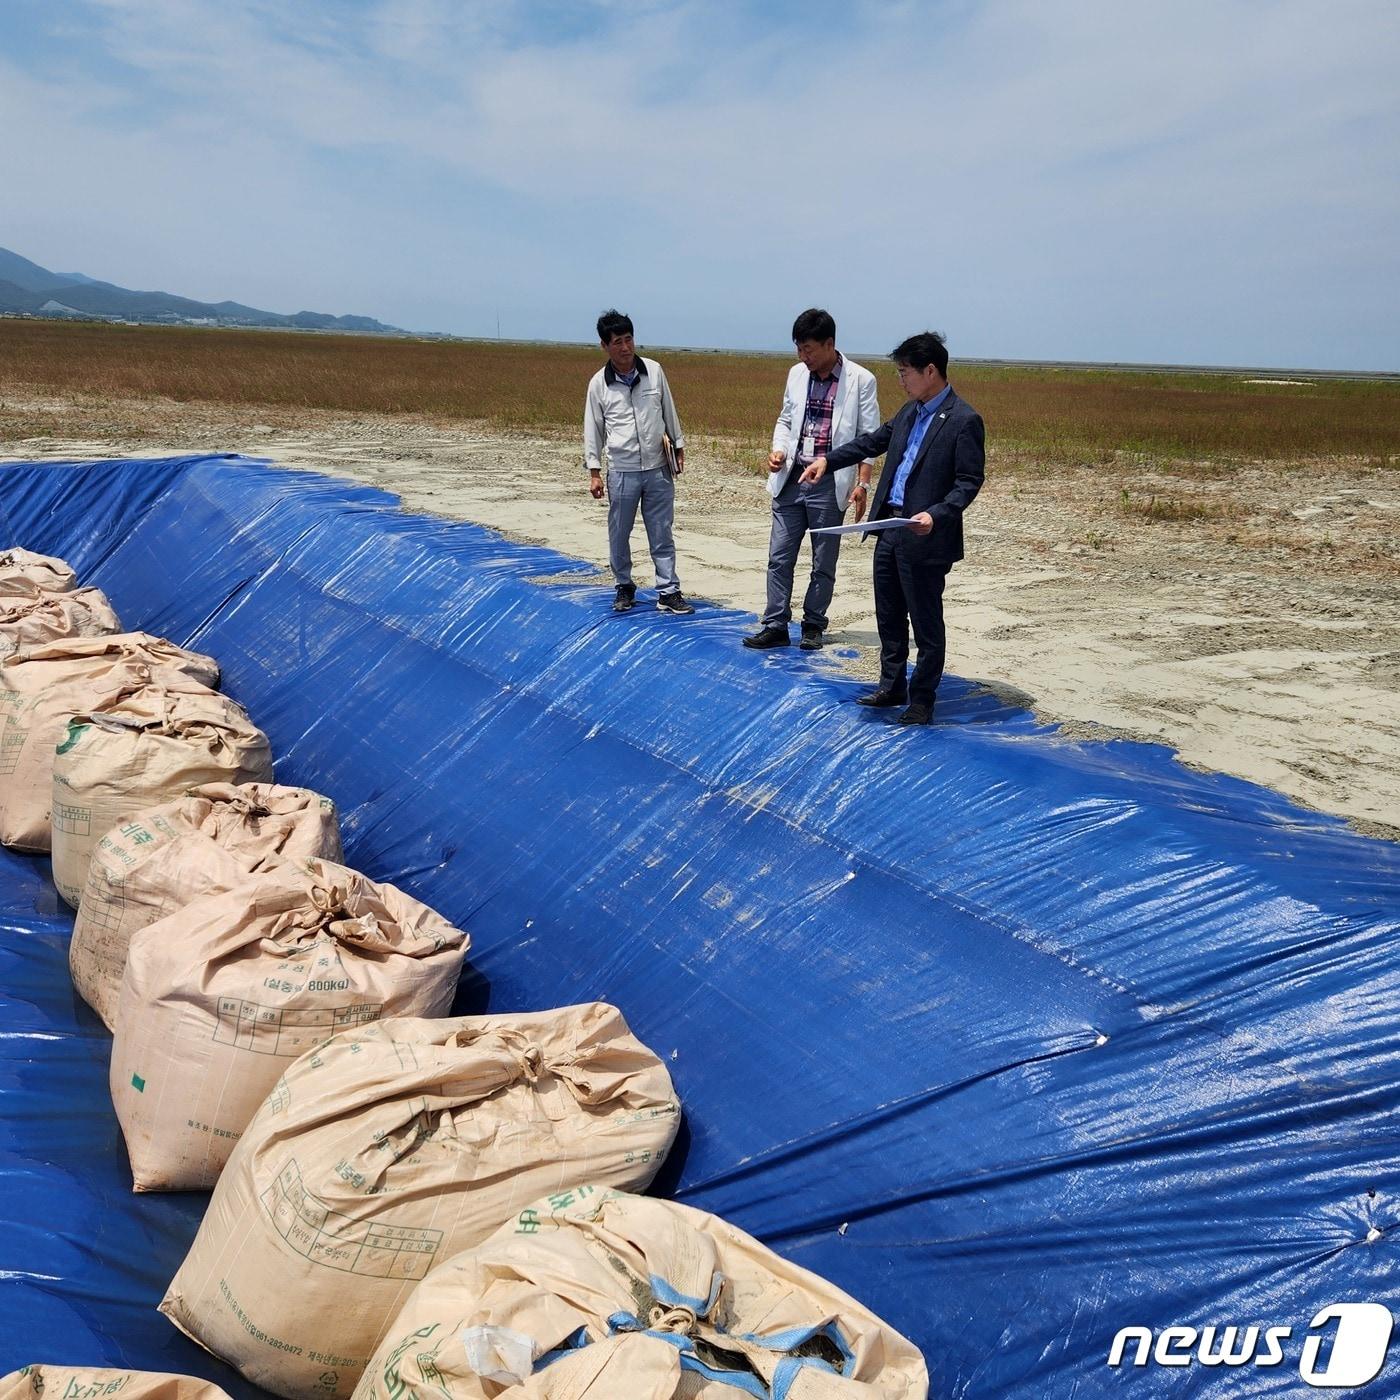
(893, 522)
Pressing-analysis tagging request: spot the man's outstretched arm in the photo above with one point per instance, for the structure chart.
(874, 444)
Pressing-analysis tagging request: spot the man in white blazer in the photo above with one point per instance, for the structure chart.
(829, 400)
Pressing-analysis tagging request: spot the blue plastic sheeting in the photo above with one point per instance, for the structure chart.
(1019, 1040)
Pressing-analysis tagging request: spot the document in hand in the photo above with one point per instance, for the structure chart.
(895, 522)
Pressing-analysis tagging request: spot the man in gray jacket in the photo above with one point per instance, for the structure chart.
(629, 415)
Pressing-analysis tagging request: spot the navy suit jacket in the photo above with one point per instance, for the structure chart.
(947, 474)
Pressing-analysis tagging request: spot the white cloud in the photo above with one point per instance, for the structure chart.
(1031, 175)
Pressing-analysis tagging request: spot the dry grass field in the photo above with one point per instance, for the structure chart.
(1037, 418)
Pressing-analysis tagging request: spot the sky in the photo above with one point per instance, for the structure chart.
(1206, 182)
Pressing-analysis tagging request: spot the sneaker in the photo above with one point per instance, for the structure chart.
(811, 638)
(673, 603)
(767, 637)
(625, 598)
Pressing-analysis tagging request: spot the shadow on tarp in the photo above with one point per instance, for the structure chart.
(1020, 1040)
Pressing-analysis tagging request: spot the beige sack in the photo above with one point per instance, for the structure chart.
(617, 1267)
(43, 687)
(41, 1382)
(163, 857)
(138, 751)
(50, 617)
(24, 574)
(221, 996)
(389, 1150)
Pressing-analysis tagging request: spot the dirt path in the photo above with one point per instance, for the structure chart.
(1259, 636)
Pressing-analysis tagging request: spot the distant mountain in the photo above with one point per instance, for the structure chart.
(26, 288)
(23, 273)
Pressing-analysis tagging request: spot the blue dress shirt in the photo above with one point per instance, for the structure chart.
(916, 440)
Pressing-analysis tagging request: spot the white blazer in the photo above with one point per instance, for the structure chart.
(857, 411)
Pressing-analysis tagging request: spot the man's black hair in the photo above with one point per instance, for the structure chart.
(922, 350)
(813, 324)
(612, 322)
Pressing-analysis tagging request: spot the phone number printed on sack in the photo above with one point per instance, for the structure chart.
(285, 1030)
(326, 1236)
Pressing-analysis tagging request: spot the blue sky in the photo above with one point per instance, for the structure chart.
(1201, 183)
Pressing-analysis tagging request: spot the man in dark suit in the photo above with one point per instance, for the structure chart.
(935, 466)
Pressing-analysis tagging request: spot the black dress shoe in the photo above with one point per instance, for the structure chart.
(917, 714)
(767, 637)
(811, 638)
(881, 699)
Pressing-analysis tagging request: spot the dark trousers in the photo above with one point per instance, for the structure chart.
(909, 591)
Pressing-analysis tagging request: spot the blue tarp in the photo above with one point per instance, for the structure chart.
(1018, 1039)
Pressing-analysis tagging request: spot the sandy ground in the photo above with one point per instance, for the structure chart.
(1262, 641)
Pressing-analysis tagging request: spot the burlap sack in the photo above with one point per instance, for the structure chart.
(147, 747)
(43, 687)
(42, 1382)
(24, 574)
(389, 1150)
(221, 996)
(50, 617)
(592, 1292)
(162, 858)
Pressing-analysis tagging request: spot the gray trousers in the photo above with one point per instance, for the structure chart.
(797, 509)
(655, 492)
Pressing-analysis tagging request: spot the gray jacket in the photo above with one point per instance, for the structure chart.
(628, 423)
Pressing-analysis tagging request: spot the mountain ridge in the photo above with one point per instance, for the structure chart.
(28, 289)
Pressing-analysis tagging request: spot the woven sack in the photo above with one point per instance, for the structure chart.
(43, 687)
(161, 858)
(221, 996)
(51, 617)
(596, 1293)
(392, 1148)
(24, 574)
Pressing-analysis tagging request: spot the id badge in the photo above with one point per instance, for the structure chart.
(809, 445)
